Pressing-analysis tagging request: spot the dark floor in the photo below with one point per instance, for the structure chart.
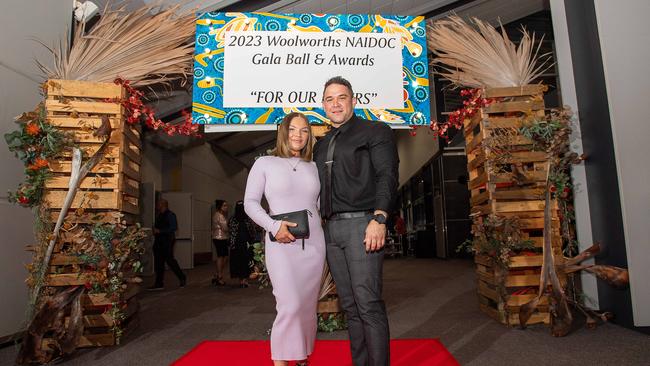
(426, 298)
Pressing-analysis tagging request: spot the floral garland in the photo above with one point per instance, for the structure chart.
(35, 143)
(473, 103)
(137, 111)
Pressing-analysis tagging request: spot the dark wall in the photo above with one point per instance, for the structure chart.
(597, 142)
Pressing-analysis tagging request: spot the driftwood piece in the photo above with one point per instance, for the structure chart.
(561, 317)
(51, 315)
(76, 176)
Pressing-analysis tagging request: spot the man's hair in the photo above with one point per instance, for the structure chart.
(338, 80)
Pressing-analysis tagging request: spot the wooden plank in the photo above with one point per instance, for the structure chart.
(66, 167)
(129, 171)
(473, 144)
(127, 206)
(514, 91)
(526, 156)
(86, 89)
(536, 176)
(488, 292)
(67, 279)
(102, 300)
(97, 182)
(504, 122)
(329, 306)
(477, 161)
(518, 300)
(492, 313)
(82, 122)
(522, 280)
(536, 318)
(483, 260)
(132, 137)
(518, 206)
(62, 260)
(519, 194)
(525, 261)
(134, 155)
(471, 123)
(478, 181)
(88, 138)
(112, 151)
(105, 199)
(521, 106)
(82, 107)
(479, 198)
(127, 188)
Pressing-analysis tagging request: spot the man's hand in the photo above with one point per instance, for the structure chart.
(375, 236)
(283, 235)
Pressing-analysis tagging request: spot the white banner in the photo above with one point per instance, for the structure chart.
(288, 69)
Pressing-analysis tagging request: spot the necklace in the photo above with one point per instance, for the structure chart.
(294, 165)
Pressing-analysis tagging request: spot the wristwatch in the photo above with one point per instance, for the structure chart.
(381, 219)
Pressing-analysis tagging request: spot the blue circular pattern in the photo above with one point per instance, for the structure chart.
(198, 73)
(218, 64)
(419, 68)
(420, 94)
(333, 22)
(420, 32)
(401, 17)
(272, 25)
(209, 96)
(417, 118)
(355, 20)
(235, 117)
(200, 120)
(202, 39)
(305, 18)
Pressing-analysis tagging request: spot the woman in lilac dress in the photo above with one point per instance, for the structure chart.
(289, 181)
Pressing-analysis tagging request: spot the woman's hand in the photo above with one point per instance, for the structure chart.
(283, 235)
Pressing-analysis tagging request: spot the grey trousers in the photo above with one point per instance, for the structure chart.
(358, 278)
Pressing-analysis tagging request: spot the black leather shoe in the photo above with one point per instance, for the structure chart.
(183, 282)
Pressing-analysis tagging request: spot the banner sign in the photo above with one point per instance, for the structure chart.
(254, 68)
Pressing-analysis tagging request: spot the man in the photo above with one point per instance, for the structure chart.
(163, 246)
(357, 164)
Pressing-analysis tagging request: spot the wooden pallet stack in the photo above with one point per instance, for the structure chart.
(112, 186)
(511, 184)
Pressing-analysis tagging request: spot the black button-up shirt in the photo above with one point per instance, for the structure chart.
(365, 168)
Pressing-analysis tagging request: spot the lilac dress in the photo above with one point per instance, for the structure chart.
(295, 273)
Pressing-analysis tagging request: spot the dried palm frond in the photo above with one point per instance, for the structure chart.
(327, 283)
(147, 46)
(477, 55)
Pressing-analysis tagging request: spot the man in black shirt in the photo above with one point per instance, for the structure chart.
(163, 246)
(358, 168)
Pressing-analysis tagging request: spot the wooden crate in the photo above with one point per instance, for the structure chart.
(513, 188)
(77, 107)
(523, 275)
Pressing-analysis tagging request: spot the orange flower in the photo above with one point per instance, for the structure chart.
(39, 163)
(32, 129)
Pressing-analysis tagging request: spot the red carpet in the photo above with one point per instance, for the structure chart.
(403, 352)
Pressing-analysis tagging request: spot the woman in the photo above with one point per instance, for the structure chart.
(220, 239)
(242, 233)
(289, 180)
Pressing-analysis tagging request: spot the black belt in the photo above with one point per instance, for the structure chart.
(350, 215)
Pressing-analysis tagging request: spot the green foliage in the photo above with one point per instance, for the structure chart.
(497, 237)
(258, 265)
(331, 322)
(35, 143)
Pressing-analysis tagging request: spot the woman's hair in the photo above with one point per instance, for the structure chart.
(218, 204)
(282, 141)
(240, 214)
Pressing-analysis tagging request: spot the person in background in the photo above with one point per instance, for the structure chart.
(242, 235)
(220, 239)
(163, 246)
(289, 181)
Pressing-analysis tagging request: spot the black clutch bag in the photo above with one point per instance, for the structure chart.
(301, 218)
